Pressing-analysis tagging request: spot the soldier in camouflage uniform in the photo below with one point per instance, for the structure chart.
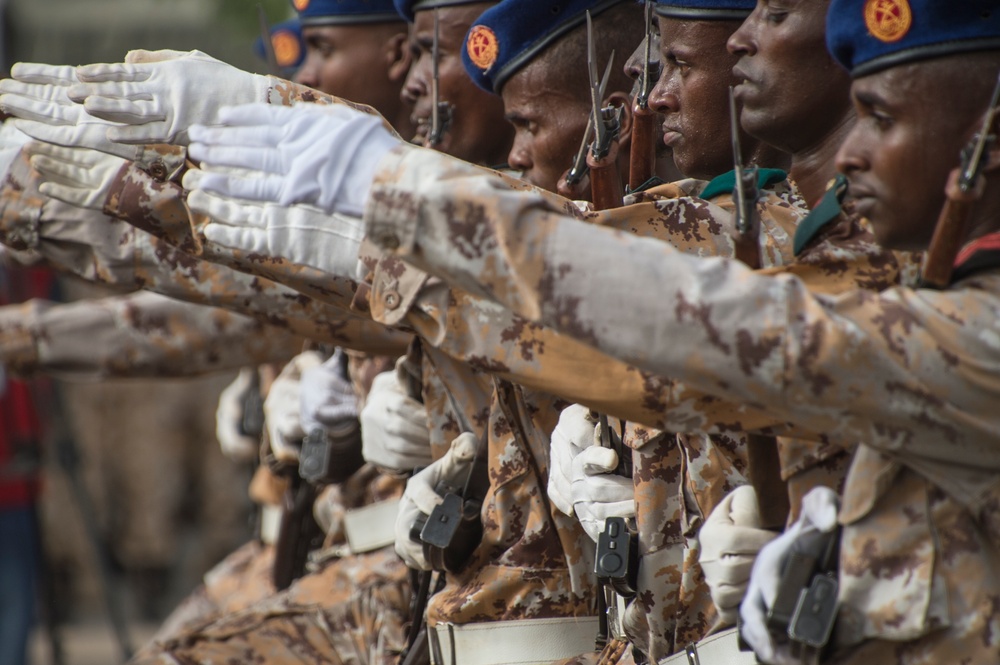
(141, 334)
(791, 360)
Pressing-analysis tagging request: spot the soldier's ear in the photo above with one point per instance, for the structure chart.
(399, 57)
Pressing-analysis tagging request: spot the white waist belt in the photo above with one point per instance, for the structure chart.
(270, 523)
(372, 527)
(719, 649)
(521, 642)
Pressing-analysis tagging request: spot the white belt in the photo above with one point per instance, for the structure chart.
(719, 649)
(270, 523)
(372, 527)
(520, 642)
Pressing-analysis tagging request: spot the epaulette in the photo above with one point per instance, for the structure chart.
(828, 209)
(726, 183)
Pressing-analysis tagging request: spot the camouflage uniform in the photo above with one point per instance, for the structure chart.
(87, 244)
(846, 368)
(350, 609)
(142, 334)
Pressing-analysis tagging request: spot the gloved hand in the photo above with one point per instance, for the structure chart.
(37, 95)
(299, 234)
(730, 539)
(159, 95)
(318, 155)
(326, 396)
(818, 516)
(394, 433)
(229, 419)
(282, 408)
(597, 493)
(420, 495)
(573, 434)
(78, 176)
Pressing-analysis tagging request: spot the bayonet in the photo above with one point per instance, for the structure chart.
(951, 230)
(646, 83)
(580, 167)
(745, 192)
(607, 121)
(440, 111)
(972, 160)
(642, 157)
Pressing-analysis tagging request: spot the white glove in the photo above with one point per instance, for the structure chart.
(325, 395)
(159, 95)
(573, 433)
(299, 234)
(37, 95)
(730, 539)
(282, 408)
(229, 418)
(818, 516)
(420, 497)
(319, 155)
(78, 176)
(394, 432)
(597, 493)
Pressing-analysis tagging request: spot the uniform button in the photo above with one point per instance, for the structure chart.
(389, 240)
(391, 300)
(158, 170)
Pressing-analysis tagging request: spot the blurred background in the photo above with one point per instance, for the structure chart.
(128, 467)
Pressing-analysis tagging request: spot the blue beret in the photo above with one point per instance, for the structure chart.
(289, 47)
(408, 8)
(866, 36)
(511, 34)
(706, 10)
(341, 12)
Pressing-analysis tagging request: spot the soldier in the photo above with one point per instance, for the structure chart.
(466, 113)
(863, 366)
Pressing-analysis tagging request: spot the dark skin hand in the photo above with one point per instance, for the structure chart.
(794, 96)
(477, 132)
(901, 151)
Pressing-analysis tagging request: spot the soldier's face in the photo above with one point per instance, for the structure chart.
(353, 62)
(477, 132)
(900, 152)
(793, 94)
(692, 94)
(549, 123)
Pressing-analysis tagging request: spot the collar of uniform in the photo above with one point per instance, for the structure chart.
(726, 183)
(981, 254)
(828, 209)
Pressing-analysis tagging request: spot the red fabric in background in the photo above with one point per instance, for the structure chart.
(19, 422)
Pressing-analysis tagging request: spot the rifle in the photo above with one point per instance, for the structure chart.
(642, 158)
(441, 112)
(963, 190)
(329, 455)
(763, 462)
(605, 182)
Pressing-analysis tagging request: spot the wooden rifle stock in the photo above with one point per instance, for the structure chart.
(764, 469)
(949, 234)
(642, 158)
(605, 181)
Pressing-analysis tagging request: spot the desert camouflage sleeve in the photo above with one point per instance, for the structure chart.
(97, 248)
(137, 335)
